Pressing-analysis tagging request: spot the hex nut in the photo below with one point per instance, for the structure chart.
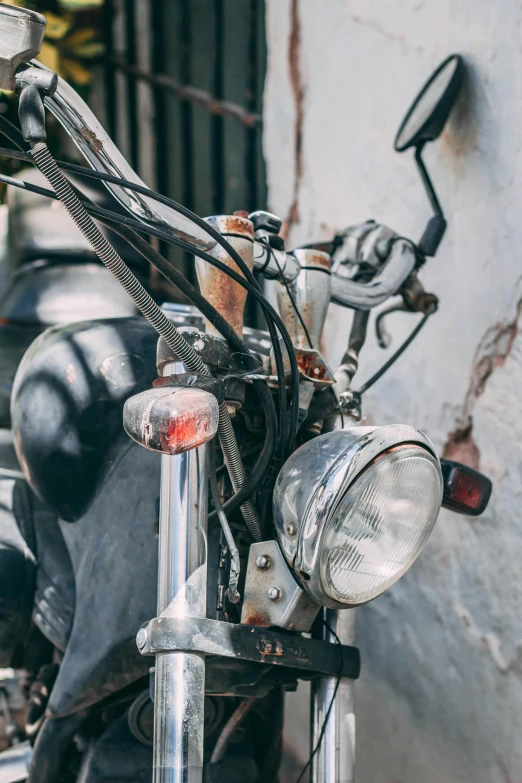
(274, 593)
(263, 562)
(141, 638)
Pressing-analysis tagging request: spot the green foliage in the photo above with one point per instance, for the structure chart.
(72, 45)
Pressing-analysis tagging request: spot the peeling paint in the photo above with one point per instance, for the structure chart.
(294, 53)
(461, 447)
(492, 352)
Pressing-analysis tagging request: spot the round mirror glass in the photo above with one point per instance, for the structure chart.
(429, 111)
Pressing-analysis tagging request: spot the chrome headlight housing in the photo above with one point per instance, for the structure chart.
(354, 508)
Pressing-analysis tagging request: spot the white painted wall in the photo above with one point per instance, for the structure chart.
(440, 700)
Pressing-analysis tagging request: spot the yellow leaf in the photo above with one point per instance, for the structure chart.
(80, 5)
(57, 26)
(87, 51)
(80, 37)
(50, 56)
(75, 71)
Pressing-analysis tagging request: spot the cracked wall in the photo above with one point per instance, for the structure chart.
(440, 700)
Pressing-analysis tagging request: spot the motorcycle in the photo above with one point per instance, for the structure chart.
(241, 506)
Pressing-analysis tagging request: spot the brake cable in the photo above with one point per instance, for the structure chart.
(270, 314)
(261, 466)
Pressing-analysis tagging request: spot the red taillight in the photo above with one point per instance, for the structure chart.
(466, 491)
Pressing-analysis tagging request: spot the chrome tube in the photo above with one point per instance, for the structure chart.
(179, 692)
(311, 291)
(275, 264)
(102, 154)
(335, 760)
(345, 291)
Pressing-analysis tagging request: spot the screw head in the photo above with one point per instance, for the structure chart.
(291, 528)
(263, 562)
(141, 638)
(274, 593)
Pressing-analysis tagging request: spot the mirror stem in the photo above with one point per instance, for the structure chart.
(436, 227)
(426, 181)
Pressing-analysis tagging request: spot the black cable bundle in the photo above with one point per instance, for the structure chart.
(271, 456)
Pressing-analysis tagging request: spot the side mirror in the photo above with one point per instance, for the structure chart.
(424, 122)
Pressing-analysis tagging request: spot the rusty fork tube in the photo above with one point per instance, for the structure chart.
(229, 299)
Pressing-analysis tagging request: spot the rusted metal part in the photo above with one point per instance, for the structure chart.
(92, 139)
(313, 258)
(248, 643)
(233, 225)
(191, 94)
(227, 296)
(416, 298)
(303, 303)
(313, 367)
(267, 570)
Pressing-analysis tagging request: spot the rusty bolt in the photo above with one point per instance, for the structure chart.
(274, 593)
(141, 638)
(291, 528)
(263, 562)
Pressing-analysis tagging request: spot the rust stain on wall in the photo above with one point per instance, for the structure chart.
(294, 51)
(461, 447)
(491, 353)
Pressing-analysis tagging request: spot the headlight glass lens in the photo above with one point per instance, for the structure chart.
(380, 525)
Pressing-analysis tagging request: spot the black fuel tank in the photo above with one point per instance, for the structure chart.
(67, 405)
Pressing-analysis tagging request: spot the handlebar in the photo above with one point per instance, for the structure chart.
(398, 265)
(103, 155)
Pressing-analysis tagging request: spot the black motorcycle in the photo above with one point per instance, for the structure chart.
(240, 506)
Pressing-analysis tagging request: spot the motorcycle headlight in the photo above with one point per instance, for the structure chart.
(354, 508)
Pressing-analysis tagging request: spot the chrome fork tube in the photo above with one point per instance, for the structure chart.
(335, 760)
(179, 692)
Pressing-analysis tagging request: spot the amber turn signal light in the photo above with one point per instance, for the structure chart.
(170, 419)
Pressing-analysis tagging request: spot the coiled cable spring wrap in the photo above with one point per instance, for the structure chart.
(148, 307)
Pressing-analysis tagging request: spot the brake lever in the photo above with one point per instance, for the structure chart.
(415, 299)
(383, 336)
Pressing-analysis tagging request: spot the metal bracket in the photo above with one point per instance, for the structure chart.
(272, 596)
(247, 643)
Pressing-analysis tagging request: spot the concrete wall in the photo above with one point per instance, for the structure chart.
(440, 700)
